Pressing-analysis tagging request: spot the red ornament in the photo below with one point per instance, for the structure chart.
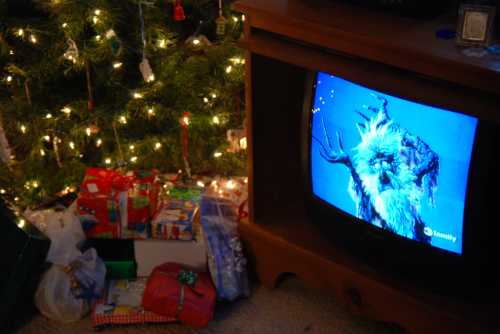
(179, 11)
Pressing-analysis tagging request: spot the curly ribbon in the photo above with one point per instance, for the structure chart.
(186, 278)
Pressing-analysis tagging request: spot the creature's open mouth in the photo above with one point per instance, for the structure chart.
(384, 179)
(385, 182)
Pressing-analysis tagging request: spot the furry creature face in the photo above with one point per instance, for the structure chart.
(385, 175)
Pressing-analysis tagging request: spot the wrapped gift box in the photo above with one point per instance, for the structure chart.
(99, 215)
(174, 291)
(116, 205)
(175, 220)
(139, 203)
(99, 180)
(122, 306)
(152, 253)
(185, 193)
(97, 203)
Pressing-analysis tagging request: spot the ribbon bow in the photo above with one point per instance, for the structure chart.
(187, 277)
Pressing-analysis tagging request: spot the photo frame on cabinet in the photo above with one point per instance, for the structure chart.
(475, 25)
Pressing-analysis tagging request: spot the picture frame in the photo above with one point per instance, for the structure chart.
(475, 25)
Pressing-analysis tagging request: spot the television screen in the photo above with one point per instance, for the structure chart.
(393, 163)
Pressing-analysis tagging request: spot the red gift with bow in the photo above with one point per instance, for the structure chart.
(173, 291)
(97, 204)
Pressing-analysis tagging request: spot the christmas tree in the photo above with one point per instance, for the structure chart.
(134, 84)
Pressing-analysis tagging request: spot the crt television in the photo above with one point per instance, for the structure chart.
(407, 186)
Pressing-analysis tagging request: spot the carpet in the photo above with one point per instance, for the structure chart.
(289, 308)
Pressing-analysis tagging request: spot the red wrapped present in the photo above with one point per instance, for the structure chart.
(173, 291)
(99, 215)
(99, 180)
(97, 204)
(140, 203)
(114, 205)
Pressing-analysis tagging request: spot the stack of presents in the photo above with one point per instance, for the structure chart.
(139, 247)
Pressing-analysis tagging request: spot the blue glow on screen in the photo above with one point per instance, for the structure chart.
(396, 164)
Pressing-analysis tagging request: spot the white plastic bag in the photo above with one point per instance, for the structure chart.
(64, 230)
(58, 296)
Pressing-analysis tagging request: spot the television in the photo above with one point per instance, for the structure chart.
(405, 185)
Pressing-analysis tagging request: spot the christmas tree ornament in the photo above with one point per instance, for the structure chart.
(236, 139)
(220, 22)
(92, 129)
(5, 150)
(71, 52)
(121, 162)
(90, 90)
(220, 26)
(27, 91)
(179, 11)
(55, 145)
(144, 67)
(146, 71)
(197, 41)
(114, 42)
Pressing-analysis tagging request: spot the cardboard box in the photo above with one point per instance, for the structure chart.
(151, 253)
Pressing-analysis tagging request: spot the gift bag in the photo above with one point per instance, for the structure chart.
(66, 292)
(64, 231)
(226, 261)
(174, 291)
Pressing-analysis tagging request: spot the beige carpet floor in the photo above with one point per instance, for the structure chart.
(290, 308)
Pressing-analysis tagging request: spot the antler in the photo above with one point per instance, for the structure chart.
(329, 153)
(382, 110)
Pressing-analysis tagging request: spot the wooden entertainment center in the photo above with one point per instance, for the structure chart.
(286, 39)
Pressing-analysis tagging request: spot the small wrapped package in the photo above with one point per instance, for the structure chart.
(114, 205)
(99, 180)
(97, 204)
(174, 291)
(174, 221)
(185, 193)
(139, 203)
(122, 306)
(99, 215)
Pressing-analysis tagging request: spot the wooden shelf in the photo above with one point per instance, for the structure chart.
(285, 40)
(401, 42)
(361, 290)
